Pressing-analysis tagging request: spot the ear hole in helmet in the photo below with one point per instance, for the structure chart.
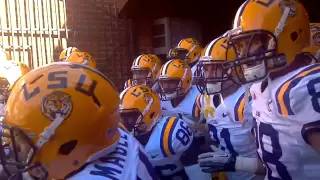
(151, 115)
(294, 36)
(67, 147)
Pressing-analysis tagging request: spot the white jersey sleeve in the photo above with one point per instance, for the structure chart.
(170, 138)
(128, 161)
(298, 99)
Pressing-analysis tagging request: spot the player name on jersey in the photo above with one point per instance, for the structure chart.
(116, 158)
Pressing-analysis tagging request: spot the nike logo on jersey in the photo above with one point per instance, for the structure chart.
(164, 108)
(154, 156)
(224, 115)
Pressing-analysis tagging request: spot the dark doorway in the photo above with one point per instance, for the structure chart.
(217, 17)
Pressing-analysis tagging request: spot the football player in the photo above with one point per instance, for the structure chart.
(165, 138)
(314, 47)
(61, 125)
(145, 70)
(81, 58)
(66, 52)
(188, 49)
(177, 96)
(269, 38)
(228, 124)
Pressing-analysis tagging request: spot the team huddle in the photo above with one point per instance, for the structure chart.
(244, 107)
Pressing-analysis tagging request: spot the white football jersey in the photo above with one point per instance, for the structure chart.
(231, 127)
(169, 139)
(128, 161)
(286, 112)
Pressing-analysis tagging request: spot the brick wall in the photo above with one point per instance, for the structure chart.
(95, 28)
(144, 34)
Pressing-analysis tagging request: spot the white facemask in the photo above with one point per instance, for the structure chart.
(214, 88)
(171, 96)
(255, 72)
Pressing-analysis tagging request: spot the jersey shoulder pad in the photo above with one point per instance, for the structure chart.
(241, 110)
(176, 136)
(196, 107)
(298, 97)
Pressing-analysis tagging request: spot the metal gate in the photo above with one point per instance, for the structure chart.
(33, 31)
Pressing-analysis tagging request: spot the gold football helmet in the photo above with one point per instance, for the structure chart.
(81, 58)
(213, 75)
(139, 109)
(58, 117)
(66, 52)
(145, 69)
(188, 49)
(175, 79)
(267, 36)
(314, 47)
(157, 60)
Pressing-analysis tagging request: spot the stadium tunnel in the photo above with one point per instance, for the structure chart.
(211, 18)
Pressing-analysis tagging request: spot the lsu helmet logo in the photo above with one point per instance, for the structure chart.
(56, 104)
